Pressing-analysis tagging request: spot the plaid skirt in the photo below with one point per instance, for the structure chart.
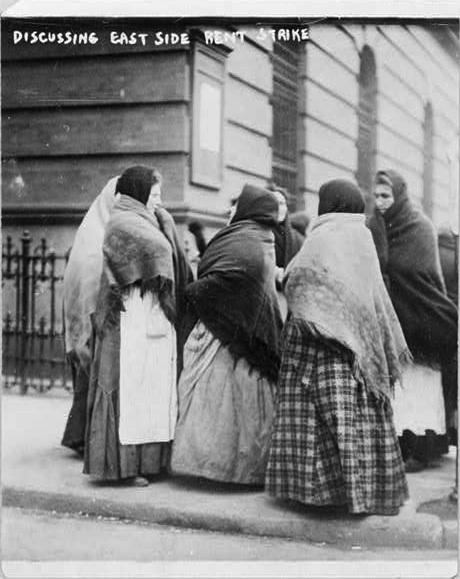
(333, 442)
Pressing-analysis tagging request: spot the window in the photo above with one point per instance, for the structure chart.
(367, 121)
(208, 110)
(285, 117)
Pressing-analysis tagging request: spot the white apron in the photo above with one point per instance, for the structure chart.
(419, 403)
(148, 394)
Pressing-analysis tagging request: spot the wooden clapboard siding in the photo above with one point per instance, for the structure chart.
(394, 85)
(328, 107)
(206, 200)
(76, 181)
(261, 40)
(440, 62)
(248, 108)
(391, 115)
(248, 117)
(72, 121)
(111, 80)
(339, 42)
(323, 140)
(247, 151)
(330, 73)
(329, 123)
(251, 64)
(390, 143)
(235, 181)
(441, 175)
(95, 130)
(318, 170)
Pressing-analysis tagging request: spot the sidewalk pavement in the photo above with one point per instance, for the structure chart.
(39, 473)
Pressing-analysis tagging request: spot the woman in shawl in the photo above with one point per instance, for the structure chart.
(409, 259)
(288, 241)
(231, 356)
(448, 253)
(333, 439)
(81, 288)
(132, 402)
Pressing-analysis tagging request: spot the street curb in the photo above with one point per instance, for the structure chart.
(407, 530)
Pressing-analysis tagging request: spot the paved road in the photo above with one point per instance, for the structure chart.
(43, 536)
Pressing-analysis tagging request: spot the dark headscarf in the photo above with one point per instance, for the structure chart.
(407, 248)
(234, 295)
(136, 182)
(340, 196)
(256, 204)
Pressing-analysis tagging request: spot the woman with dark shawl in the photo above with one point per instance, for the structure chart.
(333, 439)
(448, 253)
(132, 400)
(231, 357)
(409, 259)
(82, 278)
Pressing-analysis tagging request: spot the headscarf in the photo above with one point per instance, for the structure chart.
(256, 204)
(340, 196)
(406, 243)
(234, 295)
(136, 182)
(83, 272)
(335, 287)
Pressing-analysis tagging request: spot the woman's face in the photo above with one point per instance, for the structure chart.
(282, 206)
(384, 199)
(154, 199)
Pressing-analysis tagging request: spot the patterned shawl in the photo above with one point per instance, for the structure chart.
(335, 286)
(137, 252)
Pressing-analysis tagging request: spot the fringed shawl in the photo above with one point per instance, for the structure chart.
(83, 273)
(406, 243)
(335, 287)
(137, 252)
(235, 295)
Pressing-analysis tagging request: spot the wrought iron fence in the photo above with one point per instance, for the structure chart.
(33, 327)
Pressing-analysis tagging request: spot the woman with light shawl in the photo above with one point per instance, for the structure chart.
(231, 357)
(132, 402)
(81, 288)
(333, 439)
(408, 251)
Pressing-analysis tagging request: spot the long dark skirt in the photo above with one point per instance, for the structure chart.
(333, 442)
(74, 432)
(105, 458)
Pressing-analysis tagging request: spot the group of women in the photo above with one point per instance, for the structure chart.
(213, 376)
